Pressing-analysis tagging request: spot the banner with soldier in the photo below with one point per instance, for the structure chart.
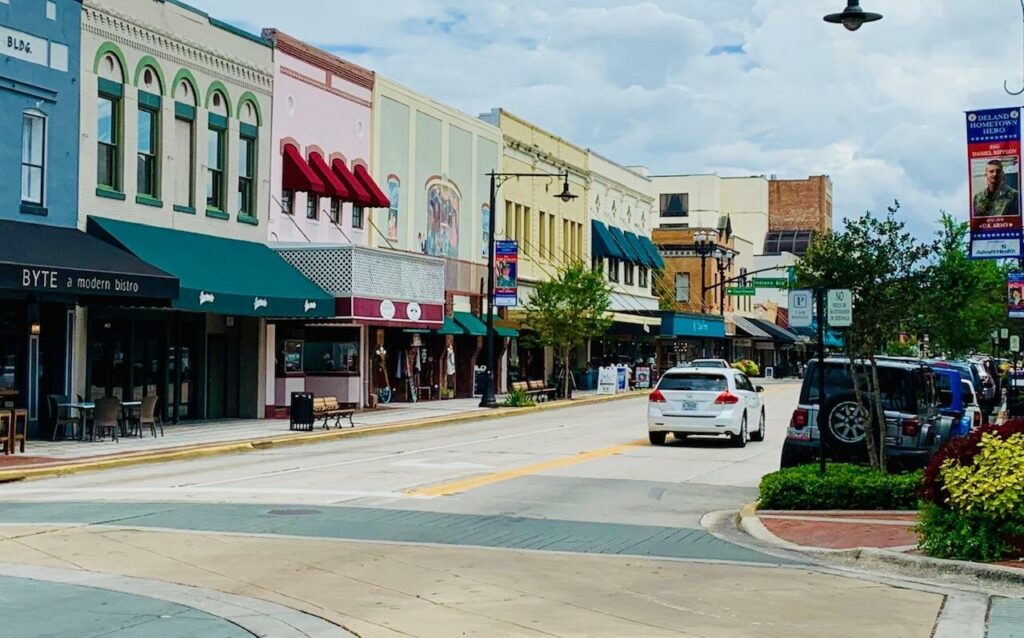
(994, 158)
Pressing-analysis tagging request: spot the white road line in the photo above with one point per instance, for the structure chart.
(382, 457)
(274, 491)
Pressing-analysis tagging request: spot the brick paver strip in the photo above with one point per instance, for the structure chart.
(357, 523)
(840, 535)
(1006, 618)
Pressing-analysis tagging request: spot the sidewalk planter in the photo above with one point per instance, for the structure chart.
(842, 487)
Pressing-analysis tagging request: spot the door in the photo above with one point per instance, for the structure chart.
(751, 398)
(216, 376)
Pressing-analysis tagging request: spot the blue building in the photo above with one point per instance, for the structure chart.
(40, 45)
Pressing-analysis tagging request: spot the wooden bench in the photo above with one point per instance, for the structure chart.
(534, 389)
(327, 408)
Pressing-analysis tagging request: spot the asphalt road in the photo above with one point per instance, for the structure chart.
(558, 523)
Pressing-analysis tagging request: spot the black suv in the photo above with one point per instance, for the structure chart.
(914, 430)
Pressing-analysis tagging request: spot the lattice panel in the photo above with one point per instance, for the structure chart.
(391, 275)
(329, 268)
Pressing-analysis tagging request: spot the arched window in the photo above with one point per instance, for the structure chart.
(248, 153)
(148, 126)
(186, 100)
(216, 153)
(109, 119)
(33, 157)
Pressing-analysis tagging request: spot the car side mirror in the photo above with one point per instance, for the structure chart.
(759, 388)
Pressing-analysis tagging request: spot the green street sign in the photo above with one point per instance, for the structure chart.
(741, 292)
(770, 282)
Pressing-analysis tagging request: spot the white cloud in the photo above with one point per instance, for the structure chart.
(880, 110)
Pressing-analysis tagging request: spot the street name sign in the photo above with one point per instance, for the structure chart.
(801, 308)
(840, 308)
(769, 282)
(741, 291)
(1015, 343)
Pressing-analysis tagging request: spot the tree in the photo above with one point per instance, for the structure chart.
(883, 265)
(964, 299)
(569, 309)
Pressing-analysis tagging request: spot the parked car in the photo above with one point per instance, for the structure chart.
(913, 428)
(950, 396)
(984, 384)
(710, 363)
(706, 401)
(972, 411)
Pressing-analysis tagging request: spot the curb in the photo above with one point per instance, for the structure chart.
(750, 523)
(234, 447)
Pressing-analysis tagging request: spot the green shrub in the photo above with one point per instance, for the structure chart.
(843, 486)
(949, 533)
(518, 399)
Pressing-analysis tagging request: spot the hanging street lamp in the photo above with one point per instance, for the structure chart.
(853, 17)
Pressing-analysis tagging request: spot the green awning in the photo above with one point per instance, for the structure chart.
(218, 275)
(627, 249)
(634, 241)
(504, 332)
(450, 328)
(656, 260)
(472, 324)
(601, 242)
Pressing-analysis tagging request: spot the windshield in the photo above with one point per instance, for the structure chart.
(899, 392)
(708, 364)
(694, 382)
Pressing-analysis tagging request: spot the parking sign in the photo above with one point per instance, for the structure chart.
(840, 308)
(801, 308)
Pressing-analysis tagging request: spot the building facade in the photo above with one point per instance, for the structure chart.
(799, 209)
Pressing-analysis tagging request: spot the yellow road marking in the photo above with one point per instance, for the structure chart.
(455, 487)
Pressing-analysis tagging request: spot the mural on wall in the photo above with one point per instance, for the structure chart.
(485, 225)
(443, 203)
(394, 192)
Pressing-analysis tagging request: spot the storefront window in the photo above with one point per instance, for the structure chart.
(8, 350)
(292, 359)
(332, 356)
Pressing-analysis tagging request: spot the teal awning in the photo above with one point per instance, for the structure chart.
(656, 260)
(450, 327)
(504, 332)
(602, 243)
(634, 241)
(627, 249)
(471, 323)
(218, 275)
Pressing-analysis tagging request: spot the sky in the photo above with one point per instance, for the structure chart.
(733, 87)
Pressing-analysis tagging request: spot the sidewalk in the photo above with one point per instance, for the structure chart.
(188, 440)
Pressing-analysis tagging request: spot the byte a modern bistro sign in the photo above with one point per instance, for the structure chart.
(81, 282)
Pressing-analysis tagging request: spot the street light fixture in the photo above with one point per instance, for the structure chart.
(488, 400)
(704, 243)
(853, 17)
(723, 259)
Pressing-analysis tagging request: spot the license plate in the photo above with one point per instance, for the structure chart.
(688, 406)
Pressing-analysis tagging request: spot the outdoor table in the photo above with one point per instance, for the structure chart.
(86, 407)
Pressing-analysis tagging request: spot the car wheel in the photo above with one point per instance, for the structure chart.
(656, 438)
(740, 440)
(846, 424)
(759, 435)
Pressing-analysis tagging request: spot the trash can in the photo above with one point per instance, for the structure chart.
(302, 411)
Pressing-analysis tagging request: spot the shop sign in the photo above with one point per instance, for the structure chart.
(24, 46)
(994, 182)
(769, 282)
(81, 282)
(387, 309)
(743, 343)
(607, 380)
(506, 273)
(643, 378)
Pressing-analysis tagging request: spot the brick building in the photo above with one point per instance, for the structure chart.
(798, 209)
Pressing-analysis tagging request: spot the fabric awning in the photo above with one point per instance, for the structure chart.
(602, 244)
(358, 194)
(777, 333)
(450, 328)
(749, 328)
(297, 174)
(636, 320)
(634, 241)
(471, 323)
(377, 197)
(627, 249)
(42, 260)
(502, 331)
(218, 275)
(334, 186)
(656, 260)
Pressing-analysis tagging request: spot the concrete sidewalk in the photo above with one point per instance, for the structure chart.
(193, 440)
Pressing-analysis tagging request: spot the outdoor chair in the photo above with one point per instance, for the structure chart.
(147, 416)
(6, 423)
(62, 417)
(106, 416)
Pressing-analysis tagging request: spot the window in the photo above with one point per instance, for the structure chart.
(613, 269)
(312, 206)
(643, 276)
(292, 356)
(148, 128)
(185, 158)
(33, 157)
(525, 246)
(288, 202)
(683, 287)
(675, 205)
(108, 136)
(694, 382)
(357, 216)
(246, 175)
(215, 168)
(629, 269)
(598, 264)
(336, 210)
(339, 357)
(542, 233)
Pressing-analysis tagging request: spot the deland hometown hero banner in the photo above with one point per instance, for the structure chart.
(993, 152)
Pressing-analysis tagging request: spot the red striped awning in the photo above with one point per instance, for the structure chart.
(335, 187)
(297, 174)
(377, 196)
(358, 194)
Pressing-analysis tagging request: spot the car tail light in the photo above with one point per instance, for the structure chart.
(800, 419)
(911, 427)
(977, 419)
(657, 397)
(727, 398)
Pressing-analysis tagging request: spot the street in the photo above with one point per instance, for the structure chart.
(557, 523)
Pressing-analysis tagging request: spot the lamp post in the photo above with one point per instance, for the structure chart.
(704, 243)
(853, 17)
(497, 179)
(723, 259)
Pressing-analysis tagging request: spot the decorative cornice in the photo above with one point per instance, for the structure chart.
(165, 45)
(301, 77)
(321, 59)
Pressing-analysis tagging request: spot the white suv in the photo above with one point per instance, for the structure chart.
(713, 401)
